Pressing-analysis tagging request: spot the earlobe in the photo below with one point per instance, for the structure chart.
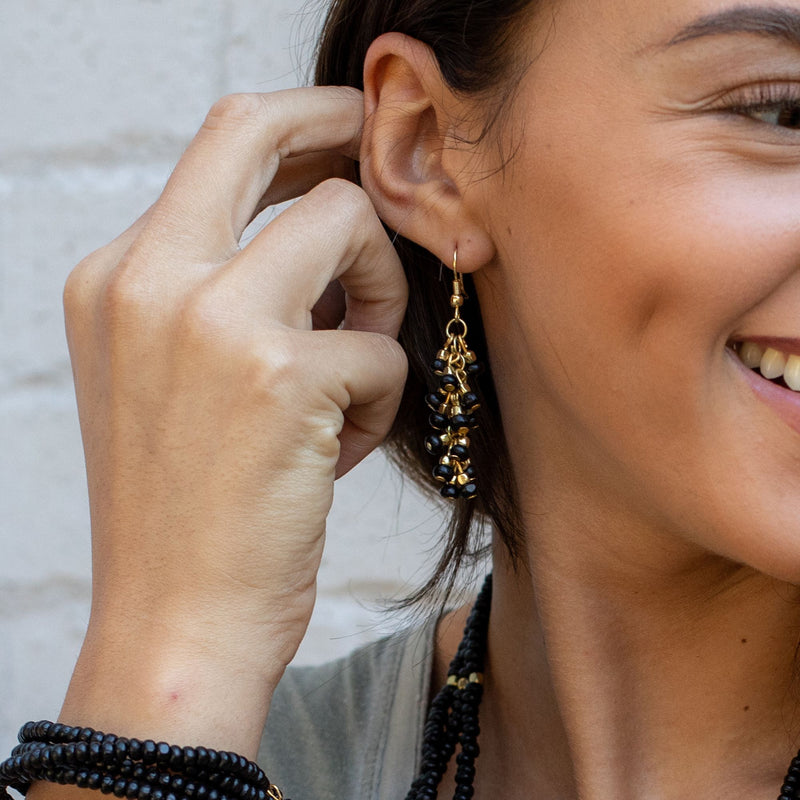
(412, 163)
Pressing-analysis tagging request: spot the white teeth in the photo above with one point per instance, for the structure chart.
(791, 373)
(751, 354)
(772, 364)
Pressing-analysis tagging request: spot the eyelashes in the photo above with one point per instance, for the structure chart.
(776, 104)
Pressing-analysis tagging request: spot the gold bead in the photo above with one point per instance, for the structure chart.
(463, 683)
(476, 677)
(456, 301)
(462, 479)
(470, 357)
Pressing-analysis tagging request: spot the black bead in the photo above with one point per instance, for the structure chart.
(120, 788)
(449, 491)
(434, 401)
(107, 754)
(175, 758)
(163, 754)
(107, 784)
(135, 749)
(201, 757)
(449, 383)
(460, 452)
(438, 421)
(459, 423)
(95, 752)
(474, 369)
(442, 472)
(433, 444)
(439, 366)
(148, 751)
(469, 491)
(469, 400)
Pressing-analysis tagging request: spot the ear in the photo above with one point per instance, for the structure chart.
(414, 163)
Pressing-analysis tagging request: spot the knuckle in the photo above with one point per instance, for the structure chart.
(262, 361)
(126, 297)
(278, 365)
(233, 110)
(349, 200)
(202, 318)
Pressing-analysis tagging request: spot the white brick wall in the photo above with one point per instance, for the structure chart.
(99, 99)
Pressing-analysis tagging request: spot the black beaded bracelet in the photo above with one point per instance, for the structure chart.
(132, 768)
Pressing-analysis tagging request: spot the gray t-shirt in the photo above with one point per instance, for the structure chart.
(352, 728)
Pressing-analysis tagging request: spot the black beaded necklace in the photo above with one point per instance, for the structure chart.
(453, 717)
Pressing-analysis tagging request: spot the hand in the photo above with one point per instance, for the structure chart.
(221, 390)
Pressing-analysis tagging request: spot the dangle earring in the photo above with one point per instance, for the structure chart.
(453, 404)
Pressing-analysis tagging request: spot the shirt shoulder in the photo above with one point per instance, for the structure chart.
(352, 727)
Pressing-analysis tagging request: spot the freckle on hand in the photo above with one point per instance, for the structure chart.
(744, 641)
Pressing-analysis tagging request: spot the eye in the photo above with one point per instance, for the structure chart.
(777, 105)
(784, 115)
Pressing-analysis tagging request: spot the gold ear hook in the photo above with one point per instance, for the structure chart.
(457, 298)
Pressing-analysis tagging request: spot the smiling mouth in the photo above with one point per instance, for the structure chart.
(777, 366)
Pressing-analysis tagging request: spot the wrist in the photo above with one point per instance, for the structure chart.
(174, 684)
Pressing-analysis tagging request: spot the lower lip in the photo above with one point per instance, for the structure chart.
(784, 402)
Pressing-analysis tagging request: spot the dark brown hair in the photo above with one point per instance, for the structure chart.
(473, 42)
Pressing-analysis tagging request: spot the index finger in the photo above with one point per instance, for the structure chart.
(228, 167)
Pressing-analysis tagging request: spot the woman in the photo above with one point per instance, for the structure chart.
(620, 181)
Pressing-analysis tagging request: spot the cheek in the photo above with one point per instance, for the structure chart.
(641, 255)
(625, 269)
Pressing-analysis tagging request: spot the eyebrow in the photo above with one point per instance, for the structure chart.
(775, 22)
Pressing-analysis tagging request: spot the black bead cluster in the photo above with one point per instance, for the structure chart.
(132, 768)
(453, 406)
(452, 721)
(791, 783)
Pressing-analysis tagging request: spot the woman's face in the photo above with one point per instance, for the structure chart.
(648, 225)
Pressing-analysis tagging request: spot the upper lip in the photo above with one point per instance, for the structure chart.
(784, 344)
